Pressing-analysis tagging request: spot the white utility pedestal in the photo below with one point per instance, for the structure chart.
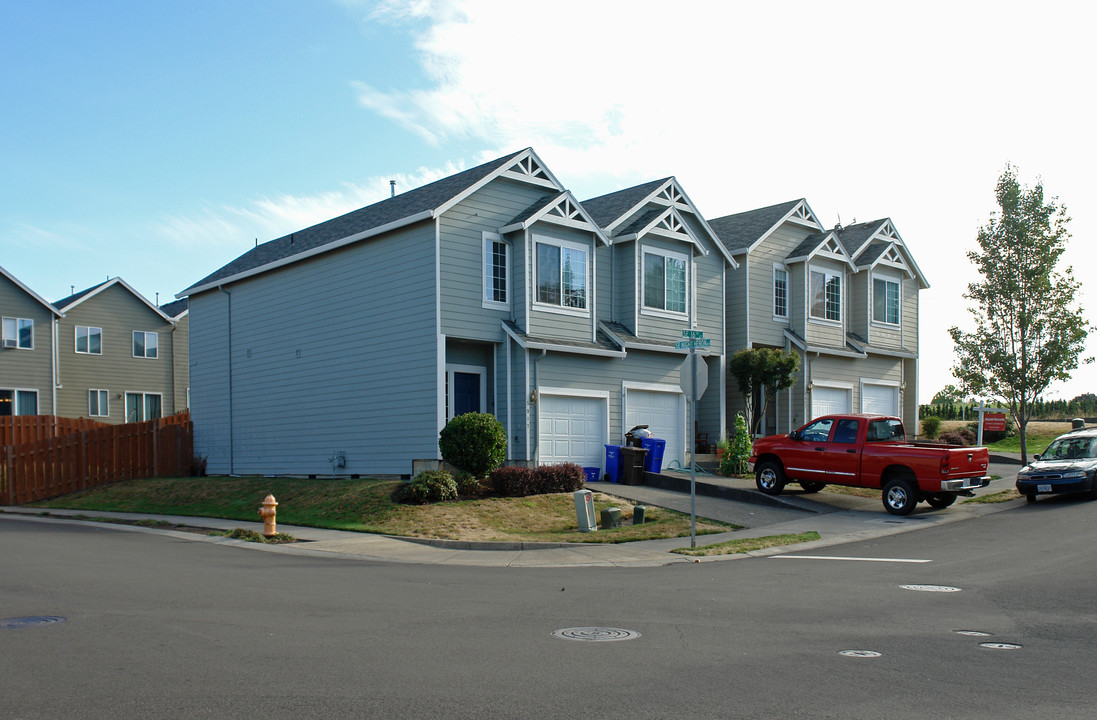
(584, 510)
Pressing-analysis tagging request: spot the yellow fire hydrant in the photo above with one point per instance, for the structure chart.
(267, 512)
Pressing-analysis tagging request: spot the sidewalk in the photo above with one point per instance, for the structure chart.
(837, 518)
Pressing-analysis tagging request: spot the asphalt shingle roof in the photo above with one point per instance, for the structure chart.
(854, 236)
(739, 231)
(65, 302)
(413, 202)
(175, 309)
(604, 209)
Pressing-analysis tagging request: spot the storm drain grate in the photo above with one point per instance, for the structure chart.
(860, 653)
(1000, 646)
(25, 622)
(595, 634)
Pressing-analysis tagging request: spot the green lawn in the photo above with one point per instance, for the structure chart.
(365, 505)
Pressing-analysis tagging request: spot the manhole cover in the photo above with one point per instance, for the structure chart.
(595, 634)
(972, 633)
(1000, 646)
(23, 622)
(859, 653)
(930, 588)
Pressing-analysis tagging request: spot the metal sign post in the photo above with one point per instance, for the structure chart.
(693, 384)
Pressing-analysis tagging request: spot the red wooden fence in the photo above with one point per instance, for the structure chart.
(65, 463)
(19, 429)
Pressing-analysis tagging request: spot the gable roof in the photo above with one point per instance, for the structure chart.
(741, 232)
(49, 306)
(66, 304)
(610, 208)
(422, 203)
(866, 242)
(823, 243)
(560, 209)
(176, 309)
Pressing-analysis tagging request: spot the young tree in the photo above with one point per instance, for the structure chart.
(761, 373)
(1028, 329)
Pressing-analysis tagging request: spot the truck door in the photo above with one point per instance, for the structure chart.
(805, 459)
(843, 457)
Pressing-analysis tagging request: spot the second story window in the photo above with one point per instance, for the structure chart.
(780, 292)
(665, 281)
(561, 274)
(18, 333)
(885, 301)
(826, 295)
(145, 344)
(89, 340)
(495, 268)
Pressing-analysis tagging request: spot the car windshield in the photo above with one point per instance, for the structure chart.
(1068, 448)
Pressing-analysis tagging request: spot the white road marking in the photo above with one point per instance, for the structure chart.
(859, 559)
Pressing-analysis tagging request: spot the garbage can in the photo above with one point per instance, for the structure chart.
(613, 463)
(632, 465)
(653, 461)
(591, 474)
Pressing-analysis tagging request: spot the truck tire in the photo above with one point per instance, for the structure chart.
(941, 500)
(812, 486)
(900, 496)
(770, 477)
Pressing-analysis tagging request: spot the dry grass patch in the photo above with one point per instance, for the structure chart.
(745, 545)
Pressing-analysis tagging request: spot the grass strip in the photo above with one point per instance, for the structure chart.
(1003, 496)
(745, 545)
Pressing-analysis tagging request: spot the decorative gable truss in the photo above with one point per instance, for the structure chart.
(671, 194)
(894, 259)
(530, 169)
(897, 255)
(562, 209)
(803, 215)
(822, 245)
(669, 224)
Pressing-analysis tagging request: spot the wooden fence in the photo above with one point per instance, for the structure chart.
(66, 463)
(19, 429)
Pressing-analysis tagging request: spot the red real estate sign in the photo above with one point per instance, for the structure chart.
(994, 422)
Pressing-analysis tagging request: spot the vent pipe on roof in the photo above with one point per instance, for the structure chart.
(392, 188)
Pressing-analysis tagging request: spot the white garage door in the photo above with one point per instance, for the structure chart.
(662, 413)
(881, 399)
(572, 429)
(828, 401)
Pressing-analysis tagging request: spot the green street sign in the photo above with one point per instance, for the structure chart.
(693, 334)
(692, 344)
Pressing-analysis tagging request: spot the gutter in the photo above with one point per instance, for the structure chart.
(232, 441)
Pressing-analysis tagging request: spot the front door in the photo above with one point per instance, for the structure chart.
(466, 393)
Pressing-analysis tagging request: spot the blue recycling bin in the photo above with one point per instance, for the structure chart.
(591, 474)
(613, 463)
(653, 461)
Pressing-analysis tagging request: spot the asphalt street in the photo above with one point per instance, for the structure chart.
(162, 626)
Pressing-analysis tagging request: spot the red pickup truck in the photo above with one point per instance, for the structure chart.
(869, 451)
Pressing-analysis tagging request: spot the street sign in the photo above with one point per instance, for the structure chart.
(693, 334)
(692, 344)
(694, 362)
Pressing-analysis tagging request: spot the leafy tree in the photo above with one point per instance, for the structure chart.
(761, 373)
(948, 394)
(1028, 330)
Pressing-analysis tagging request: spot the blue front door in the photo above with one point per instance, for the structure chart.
(466, 393)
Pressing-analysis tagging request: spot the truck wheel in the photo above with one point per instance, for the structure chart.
(900, 497)
(812, 487)
(770, 478)
(941, 500)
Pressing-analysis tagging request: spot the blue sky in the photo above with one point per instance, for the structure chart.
(158, 141)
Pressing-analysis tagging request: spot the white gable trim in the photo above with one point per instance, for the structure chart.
(28, 291)
(565, 211)
(111, 283)
(801, 214)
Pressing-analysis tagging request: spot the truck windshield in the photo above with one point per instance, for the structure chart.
(1071, 449)
(880, 430)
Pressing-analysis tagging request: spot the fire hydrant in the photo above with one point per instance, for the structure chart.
(267, 512)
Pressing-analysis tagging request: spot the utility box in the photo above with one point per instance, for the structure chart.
(584, 510)
(611, 518)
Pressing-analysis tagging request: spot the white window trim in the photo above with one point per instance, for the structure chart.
(480, 370)
(659, 312)
(773, 292)
(826, 273)
(872, 300)
(17, 320)
(143, 394)
(490, 238)
(89, 328)
(562, 309)
(146, 356)
(15, 400)
(101, 413)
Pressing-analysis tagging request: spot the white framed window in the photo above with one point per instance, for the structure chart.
(89, 340)
(98, 403)
(780, 292)
(143, 406)
(18, 402)
(17, 333)
(145, 344)
(496, 264)
(825, 293)
(665, 281)
(561, 273)
(885, 300)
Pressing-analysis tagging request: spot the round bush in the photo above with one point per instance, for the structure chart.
(931, 427)
(429, 486)
(473, 442)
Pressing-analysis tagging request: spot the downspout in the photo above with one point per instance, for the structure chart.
(232, 441)
(510, 399)
(174, 399)
(56, 360)
(535, 397)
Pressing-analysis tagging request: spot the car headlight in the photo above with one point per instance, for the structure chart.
(1025, 474)
(1074, 474)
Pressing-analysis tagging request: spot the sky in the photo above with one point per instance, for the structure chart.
(159, 141)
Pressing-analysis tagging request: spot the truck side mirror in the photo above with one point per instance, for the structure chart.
(794, 435)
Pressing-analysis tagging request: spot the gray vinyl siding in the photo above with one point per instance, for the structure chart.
(838, 371)
(565, 323)
(764, 330)
(735, 305)
(180, 357)
(709, 311)
(119, 313)
(860, 305)
(659, 326)
(910, 314)
(626, 283)
(462, 257)
(28, 369)
(316, 369)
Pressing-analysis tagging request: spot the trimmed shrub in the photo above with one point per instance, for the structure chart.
(512, 481)
(473, 442)
(468, 485)
(429, 486)
(931, 427)
(566, 477)
(963, 436)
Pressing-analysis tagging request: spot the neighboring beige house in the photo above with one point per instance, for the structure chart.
(27, 335)
(844, 299)
(120, 358)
